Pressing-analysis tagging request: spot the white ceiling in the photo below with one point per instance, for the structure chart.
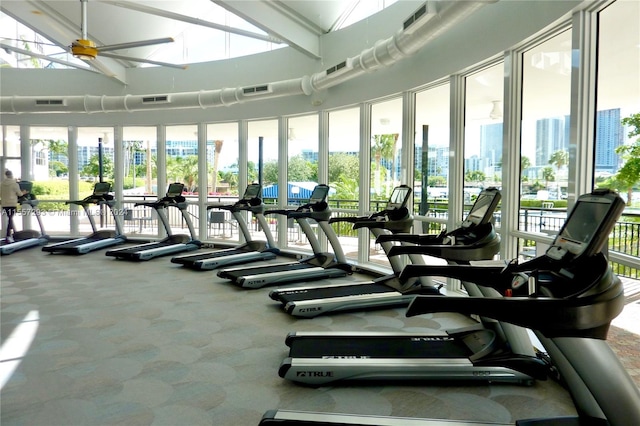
(296, 23)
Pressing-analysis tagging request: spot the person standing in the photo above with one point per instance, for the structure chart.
(10, 192)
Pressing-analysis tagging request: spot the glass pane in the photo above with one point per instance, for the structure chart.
(49, 162)
(302, 167)
(431, 151)
(12, 139)
(140, 177)
(222, 166)
(544, 143)
(385, 168)
(344, 172)
(482, 132)
(92, 141)
(182, 166)
(617, 154)
(140, 153)
(265, 133)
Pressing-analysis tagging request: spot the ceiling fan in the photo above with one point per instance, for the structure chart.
(87, 50)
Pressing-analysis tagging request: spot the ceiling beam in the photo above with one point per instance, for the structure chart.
(43, 19)
(190, 20)
(272, 19)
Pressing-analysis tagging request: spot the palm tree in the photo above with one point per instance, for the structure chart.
(382, 147)
(184, 169)
(560, 158)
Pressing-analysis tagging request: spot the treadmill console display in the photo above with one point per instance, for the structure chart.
(101, 188)
(319, 194)
(252, 191)
(588, 226)
(399, 197)
(482, 210)
(175, 189)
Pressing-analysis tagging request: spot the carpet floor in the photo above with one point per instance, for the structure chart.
(153, 343)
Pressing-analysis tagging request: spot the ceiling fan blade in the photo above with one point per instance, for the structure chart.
(45, 57)
(134, 44)
(146, 61)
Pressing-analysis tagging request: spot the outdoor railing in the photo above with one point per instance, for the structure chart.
(624, 239)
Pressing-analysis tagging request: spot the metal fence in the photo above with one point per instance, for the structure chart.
(625, 237)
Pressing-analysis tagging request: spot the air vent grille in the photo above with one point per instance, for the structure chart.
(49, 102)
(154, 99)
(416, 15)
(336, 67)
(256, 90)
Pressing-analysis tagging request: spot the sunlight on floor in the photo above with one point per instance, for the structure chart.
(16, 346)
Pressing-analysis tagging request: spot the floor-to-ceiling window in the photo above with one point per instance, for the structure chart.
(182, 166)
(263, 156)
(344, 170)
(140, 154)
(617, 120)
(302, 166)
(222, 170)
(431, 150)
(544, 138)
(385, 154)
(483, 132)
(140, 178)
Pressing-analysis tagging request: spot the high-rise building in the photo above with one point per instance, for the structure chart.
(609, 136)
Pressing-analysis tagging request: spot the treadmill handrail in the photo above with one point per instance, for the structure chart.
(584, 299)
(91, 199)
(590, 315)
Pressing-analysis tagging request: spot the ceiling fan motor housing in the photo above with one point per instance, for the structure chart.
(84, 49)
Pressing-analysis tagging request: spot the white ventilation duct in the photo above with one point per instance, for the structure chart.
(428, 22)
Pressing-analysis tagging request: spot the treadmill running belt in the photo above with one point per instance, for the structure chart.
(209, 255)
(72, 244)
(383, 347)
(267, 269)
(136, 249)
(328, 292)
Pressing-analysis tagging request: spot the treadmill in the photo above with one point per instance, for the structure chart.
(568, 297)
(318, 266)
(172, 243)
(98, 239)
(26, 238)
(251, 251)
(476, 239)
(487, 351)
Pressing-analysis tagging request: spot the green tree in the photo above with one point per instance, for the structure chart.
(252, 171)
(57, 168)
(559, 159)
(183, 169)
(436, 181)
(346, 188)
(270, 172)
(474, 176)
(92, 168)
(301, 170)
(230, 178)
(629, 174)
(548, 175)
(343, 166)
(130, 149)
(382, 147)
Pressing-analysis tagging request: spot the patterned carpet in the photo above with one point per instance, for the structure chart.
(151, 343)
